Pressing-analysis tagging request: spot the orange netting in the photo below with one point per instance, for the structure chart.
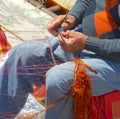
(85, 106)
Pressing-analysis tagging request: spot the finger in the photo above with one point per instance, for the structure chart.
(52, 27)
(61, 38)
(68, 24)
(64, 25)
(66, 34)
(62, 43)
(52, 30)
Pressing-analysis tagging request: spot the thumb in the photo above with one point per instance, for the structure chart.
(65, 25)
(66, 34)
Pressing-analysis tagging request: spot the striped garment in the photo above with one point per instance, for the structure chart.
(100, 19)
(105, 22)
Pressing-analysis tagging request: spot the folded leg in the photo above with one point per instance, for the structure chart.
(26, 65)
(59, 80)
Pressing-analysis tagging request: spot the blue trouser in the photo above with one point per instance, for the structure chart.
(28, 63)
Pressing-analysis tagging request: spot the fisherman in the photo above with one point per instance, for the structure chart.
(91, 31)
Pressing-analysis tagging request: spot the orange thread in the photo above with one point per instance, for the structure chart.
(81, 91)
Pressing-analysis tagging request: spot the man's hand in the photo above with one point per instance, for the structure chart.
(71, 41)
(58, 22)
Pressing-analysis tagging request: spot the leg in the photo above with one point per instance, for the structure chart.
(26, 64)
(58, 84)
(59, 80)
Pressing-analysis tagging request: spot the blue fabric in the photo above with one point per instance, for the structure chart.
(28, 63)
(59, 81)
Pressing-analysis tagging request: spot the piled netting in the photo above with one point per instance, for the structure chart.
(23, 73)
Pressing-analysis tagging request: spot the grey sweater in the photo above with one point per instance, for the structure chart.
(101, 23)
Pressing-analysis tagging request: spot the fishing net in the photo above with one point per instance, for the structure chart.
(15, 99)
(21, 76)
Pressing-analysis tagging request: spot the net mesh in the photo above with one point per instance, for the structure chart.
(22, 74)
(25, 74)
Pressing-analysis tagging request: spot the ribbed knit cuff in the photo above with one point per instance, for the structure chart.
(92, 44)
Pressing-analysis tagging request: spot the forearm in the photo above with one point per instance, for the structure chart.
(104, 47)
(79, 8)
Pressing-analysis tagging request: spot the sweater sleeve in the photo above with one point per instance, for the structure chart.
(104, 47)
(79, 8)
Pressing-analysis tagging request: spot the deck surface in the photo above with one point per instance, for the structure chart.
(24, 20)
(20, 18)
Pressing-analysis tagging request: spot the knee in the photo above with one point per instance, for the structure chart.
(53, 77)
(54, 86)
(59, 78)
